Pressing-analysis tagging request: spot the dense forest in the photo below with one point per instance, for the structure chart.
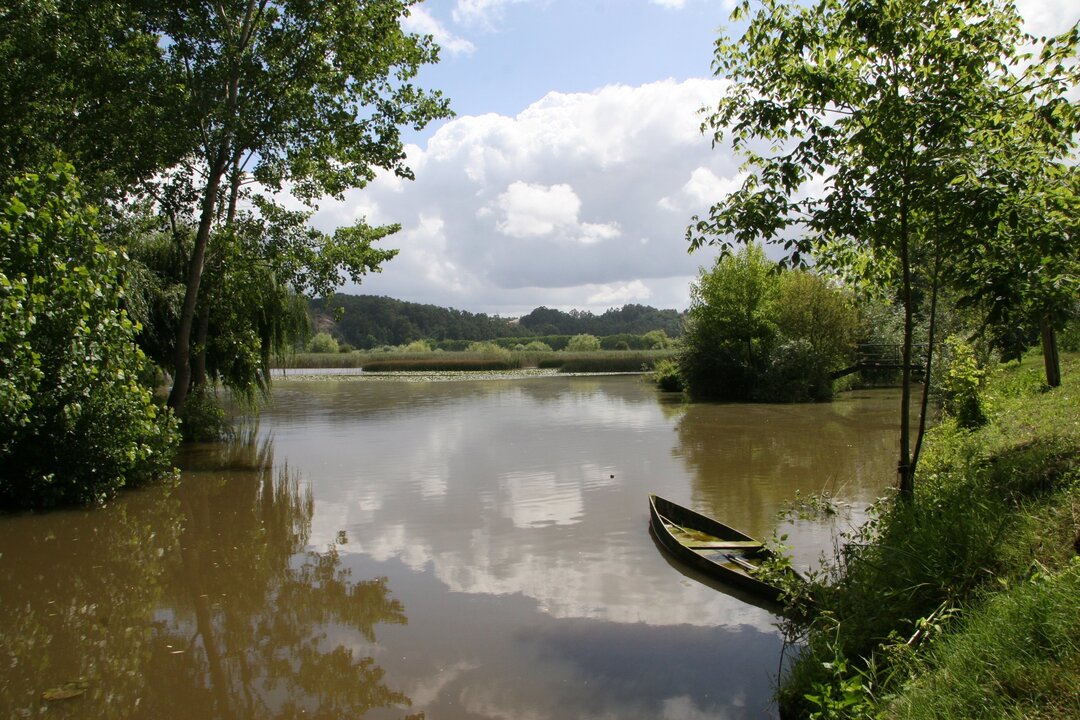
(368, 321)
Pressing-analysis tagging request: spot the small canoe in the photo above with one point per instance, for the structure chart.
(710, 546)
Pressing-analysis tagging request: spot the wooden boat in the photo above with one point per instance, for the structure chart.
(710, 546)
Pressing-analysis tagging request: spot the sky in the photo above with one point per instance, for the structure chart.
(575, 160)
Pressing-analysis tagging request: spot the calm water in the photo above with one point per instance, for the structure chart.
(470, 549)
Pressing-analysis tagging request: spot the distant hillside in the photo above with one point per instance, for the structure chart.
(367, 321)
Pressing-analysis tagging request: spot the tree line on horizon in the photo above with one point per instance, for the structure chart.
(370, 321)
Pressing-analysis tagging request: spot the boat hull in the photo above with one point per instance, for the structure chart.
(711, 547)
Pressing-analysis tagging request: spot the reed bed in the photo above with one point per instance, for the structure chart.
(566, 362)
(605, 361)
(441, 362)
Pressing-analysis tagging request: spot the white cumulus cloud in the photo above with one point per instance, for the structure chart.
(580, 200)
(534, 210)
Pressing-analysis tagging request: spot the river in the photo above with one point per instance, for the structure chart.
(450, 550)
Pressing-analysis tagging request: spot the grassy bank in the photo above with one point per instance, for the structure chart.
(568, 362)
(965, 604)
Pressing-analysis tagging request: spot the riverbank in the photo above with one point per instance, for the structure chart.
(967, 603)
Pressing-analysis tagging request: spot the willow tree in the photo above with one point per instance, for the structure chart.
(856, 119)
(307, 98)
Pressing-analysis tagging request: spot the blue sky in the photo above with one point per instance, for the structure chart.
(575, 161)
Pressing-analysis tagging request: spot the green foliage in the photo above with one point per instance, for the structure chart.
(793, 372)
(583, 343)
(961, 378)
(85, 80)
(755, 333)
(416, 346)
(628, 320)
(75, 423)
(904, 144)
(203, 418)
(656, 340)
(488, 348)
(537, 346)
(440, 362)
(842, 695)
(994, 508)
(667, 377)
(322, 342)
(810, 309)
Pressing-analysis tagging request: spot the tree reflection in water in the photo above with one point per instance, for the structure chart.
(192, 602)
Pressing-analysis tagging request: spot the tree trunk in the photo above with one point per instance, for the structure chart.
(1050, 352)
(905, 473)
(182, 356)
(928, 368)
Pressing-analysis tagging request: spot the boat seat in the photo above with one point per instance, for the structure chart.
(721, 544)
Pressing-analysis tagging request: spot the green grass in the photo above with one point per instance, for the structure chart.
(989, 533)
(1018, 656)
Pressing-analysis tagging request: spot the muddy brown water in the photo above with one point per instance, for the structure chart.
(450, 550)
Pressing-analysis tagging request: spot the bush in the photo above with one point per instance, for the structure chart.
(537, 346)
(656, 340)
(959, 383)
(76, 425)
(583, 343)
(756, 333)
(487, 348)
(666, 376)
(417, 346)
(323, 342)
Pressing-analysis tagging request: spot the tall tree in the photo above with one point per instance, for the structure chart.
(308, 97)
(855, 118)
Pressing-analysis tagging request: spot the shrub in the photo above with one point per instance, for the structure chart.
(417, 346)
(487, 348)
(323, 342)
(959, 384)
(666, 376)
(583, 343)
(537, 346)
(76, 425)
(656, 340)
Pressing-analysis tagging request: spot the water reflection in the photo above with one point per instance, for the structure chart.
(508, 517)
(191, 602)
(748, 461)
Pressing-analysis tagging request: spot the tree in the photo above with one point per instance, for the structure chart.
(76, 424)
(810, 308)
(323, 342)
(306, 95)
(729, 328)
(869, 109)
